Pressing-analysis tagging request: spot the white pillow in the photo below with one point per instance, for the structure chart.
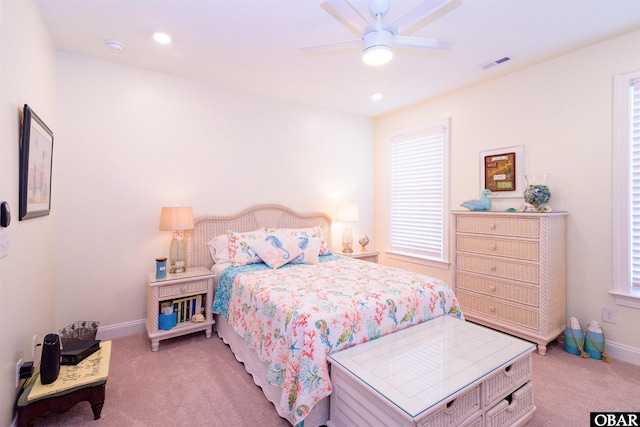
(219, 248)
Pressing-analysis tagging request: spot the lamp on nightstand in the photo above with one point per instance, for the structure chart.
(177, 219)
(347, 213)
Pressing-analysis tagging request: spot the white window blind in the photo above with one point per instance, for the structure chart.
(417, 192)
(634, 176)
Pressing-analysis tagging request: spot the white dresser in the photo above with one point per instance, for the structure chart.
(508, 271)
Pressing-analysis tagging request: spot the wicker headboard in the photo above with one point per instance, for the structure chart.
(265, 215)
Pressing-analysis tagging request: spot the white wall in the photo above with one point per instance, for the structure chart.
(27, 274)
(130, 141)
(561, 111)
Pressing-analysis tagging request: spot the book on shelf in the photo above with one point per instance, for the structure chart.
(185, 308)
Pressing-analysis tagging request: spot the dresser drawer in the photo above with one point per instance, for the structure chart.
(499, 225)
(521, 249)
(517, 407)
(455, 411)
(182, 289)
(498, 268)
(506, 379)
(520, 293)
(519, 315)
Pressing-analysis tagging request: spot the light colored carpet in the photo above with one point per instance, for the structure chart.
(195, 381)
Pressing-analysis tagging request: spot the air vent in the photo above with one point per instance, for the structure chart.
(495, 62)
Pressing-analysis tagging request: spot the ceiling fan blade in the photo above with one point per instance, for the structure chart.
(415, 15)
(422, 42)
(350, 44)
(344, 12)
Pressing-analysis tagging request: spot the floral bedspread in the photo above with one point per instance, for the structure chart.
(295, 315)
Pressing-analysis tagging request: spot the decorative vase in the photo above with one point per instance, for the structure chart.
(364, 241)
(537, 194)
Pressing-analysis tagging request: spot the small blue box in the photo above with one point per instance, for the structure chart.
(166, 321)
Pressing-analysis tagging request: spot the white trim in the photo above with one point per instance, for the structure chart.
(399, 256)
(121, 330)
(630, 298)
(620, 225)
(623, 353)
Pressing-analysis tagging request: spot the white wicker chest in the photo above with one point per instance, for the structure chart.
(441, 373)
(509, 271)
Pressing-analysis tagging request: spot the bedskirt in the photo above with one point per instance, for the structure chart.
(259, 370)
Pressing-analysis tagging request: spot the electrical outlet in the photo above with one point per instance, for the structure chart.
(609, 315)
(34, 344)
(18, 366)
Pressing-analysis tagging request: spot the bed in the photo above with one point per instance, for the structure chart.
(281, 321)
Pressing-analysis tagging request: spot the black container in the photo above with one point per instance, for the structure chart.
(50, 365)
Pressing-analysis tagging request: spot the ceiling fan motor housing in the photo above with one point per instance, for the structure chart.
(378, 38)
(379, 8)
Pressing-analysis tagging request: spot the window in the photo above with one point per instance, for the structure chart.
(419, 177)
(626, 189)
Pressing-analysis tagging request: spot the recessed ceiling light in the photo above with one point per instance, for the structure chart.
(162, 38)
(114, 45)
(376, 96)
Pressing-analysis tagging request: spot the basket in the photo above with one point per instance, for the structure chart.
(81, 330)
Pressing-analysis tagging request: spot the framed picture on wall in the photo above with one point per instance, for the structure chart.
(502, 171)
(36, 161)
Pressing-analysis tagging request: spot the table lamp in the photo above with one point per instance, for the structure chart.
(177, 219)
(347, 213)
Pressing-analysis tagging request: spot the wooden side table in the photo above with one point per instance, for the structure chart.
(365, 256)
(196, 283)
(85, 381)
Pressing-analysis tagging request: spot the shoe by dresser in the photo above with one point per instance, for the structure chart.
(509, 272)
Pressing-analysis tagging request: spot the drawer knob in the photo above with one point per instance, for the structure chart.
(492, 267)
(492, 288)
(492, 226)
(183, 289)
(492, 309)
(492, 247)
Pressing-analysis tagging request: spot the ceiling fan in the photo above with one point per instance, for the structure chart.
(377, 39)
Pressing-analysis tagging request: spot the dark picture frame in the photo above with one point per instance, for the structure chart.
(502, 171)
(36, 165)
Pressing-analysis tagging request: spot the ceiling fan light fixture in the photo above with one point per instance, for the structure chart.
(377, 47)
(377, 55)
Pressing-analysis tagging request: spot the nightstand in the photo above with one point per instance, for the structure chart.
(365, 256)
(189, 294)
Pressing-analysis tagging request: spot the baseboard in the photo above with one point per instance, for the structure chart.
(624, 353)
(616, 351)
(120, 330)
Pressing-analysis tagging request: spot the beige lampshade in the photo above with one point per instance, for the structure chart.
(176, 218)
(347, 213)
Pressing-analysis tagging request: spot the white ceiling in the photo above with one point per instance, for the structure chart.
(254, 45)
